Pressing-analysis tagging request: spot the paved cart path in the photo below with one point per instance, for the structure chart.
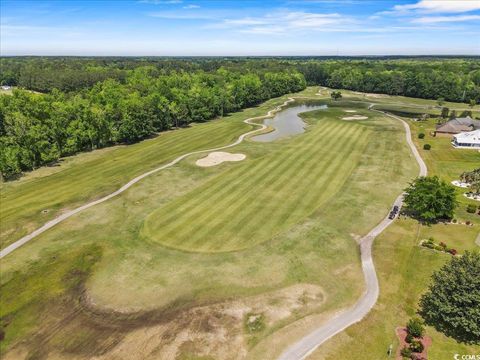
(59, 219)
(305, 346)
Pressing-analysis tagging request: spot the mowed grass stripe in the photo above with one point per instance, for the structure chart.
(216, 226)
(220, 194)
(274, 219)
(226, 232)
(333, 179)
(271, 199)
(185, 225)
(215, 191)
(284, 162)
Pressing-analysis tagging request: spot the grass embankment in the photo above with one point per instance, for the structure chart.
(404, 268)
(332, 205)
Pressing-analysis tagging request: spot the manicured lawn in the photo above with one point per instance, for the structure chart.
(327, 179)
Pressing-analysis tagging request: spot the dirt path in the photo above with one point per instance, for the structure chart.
(305, 346)
(70, 213)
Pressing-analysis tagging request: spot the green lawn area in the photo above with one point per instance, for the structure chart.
(404, 268)
(319, 191)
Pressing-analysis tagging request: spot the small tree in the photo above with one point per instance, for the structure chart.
(430, 199)
(452, 301)
(415, 327)
(421, 135)
(427, 147)
(335, 95)
(472, 103)
(440, 101)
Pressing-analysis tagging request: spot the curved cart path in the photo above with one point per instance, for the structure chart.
(70, 213)
(305, 346)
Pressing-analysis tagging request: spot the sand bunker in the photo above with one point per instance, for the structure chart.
(351, 111)
(218, 157)
(355, 117)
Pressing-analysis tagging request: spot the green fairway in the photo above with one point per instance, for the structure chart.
(225, 214)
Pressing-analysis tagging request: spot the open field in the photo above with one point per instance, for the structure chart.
(333, 203)
(405, 268)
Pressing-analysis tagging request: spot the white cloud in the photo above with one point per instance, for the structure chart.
(285, 22)
(191, 6)
(439, 6)
(440, 19)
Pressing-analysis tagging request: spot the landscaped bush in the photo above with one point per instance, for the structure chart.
(406, 353)
(427, 147)
(416, 346)
(430, 244)
(421, 135)
(415, 327)
(472, 209)
(409, 338)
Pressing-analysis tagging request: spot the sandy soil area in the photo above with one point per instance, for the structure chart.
(350, 111)
(355, 117)
(216, 330)
(218, 157)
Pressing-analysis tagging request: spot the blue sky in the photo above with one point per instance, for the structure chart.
(289, 27)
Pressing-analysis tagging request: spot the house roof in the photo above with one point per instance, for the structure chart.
(458, 125)
(470, 137)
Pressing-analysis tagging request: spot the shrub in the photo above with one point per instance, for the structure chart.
(454, 221)
(443, 245)
(416, 346)
(415, 327)
(467, 223)
(427, 147)
(428, 244)
(409, 338)
(421, 135)
(453, 252)
(406, 353)
(472, 209)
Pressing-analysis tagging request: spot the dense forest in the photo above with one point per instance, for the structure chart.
(75, 104)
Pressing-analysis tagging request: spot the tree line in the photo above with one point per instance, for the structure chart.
(453, 80)
(37, 129)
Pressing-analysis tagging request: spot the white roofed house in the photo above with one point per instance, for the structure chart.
(467, 140)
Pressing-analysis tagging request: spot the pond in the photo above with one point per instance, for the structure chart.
(287, 122)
